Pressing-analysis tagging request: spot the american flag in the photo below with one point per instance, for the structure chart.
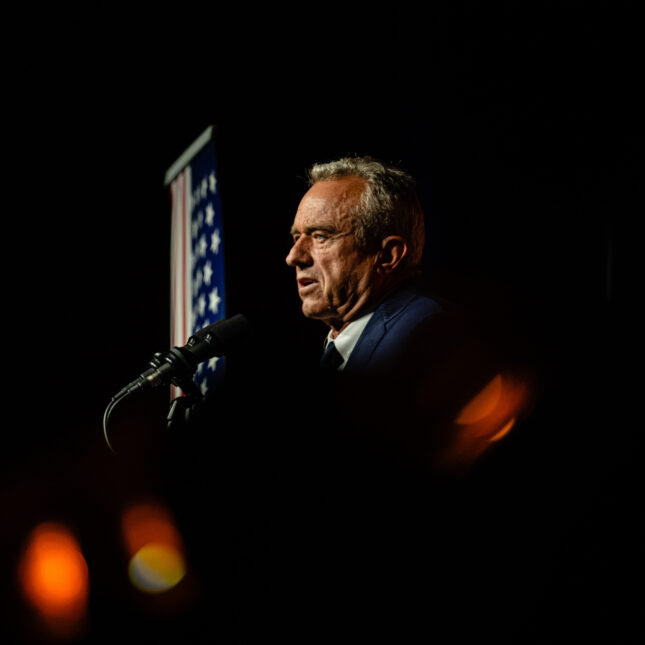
(197, 256)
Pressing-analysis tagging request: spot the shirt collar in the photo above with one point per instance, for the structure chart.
(347, 339)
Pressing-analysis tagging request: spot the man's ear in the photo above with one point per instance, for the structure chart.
(393, 250)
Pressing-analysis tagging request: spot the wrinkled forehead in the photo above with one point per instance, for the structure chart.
(330, 202)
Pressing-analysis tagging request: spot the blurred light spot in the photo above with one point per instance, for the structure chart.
(486, 418)
(503, 431)
(156, 568)
(54, 577)
(157, 554)
(483, 404)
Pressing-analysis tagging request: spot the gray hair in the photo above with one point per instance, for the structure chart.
(389, 205)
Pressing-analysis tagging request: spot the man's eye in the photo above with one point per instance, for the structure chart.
(319, 237)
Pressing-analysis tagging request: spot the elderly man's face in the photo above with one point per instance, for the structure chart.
(335, 278)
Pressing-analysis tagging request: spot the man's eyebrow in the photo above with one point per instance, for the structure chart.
(310, 229)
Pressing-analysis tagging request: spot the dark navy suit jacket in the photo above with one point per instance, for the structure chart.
(391, 332)
(407, 376)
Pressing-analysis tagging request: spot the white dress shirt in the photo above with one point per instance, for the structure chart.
(347, 339)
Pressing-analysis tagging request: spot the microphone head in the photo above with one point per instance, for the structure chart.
(219, 338)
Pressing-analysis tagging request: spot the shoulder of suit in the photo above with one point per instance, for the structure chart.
(410, 302)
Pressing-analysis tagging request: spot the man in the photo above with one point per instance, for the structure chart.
(333, 526)
(358, 238)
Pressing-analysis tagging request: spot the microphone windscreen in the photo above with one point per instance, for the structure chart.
(219, 338)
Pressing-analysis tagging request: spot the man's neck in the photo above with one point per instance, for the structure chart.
(334, 333)
(361, 309)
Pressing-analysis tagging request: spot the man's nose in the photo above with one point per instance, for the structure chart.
(299, 255)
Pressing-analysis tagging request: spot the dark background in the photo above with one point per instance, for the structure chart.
(523, 130)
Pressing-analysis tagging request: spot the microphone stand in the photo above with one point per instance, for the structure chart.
(181, 409)
(162, 364)
(178, 366)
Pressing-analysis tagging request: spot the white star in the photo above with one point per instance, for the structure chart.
(208, 272)
(213, 181)
(215, 241)
(201, 305)
(198, 280)
(204, 187)
(202, 246)
(214, 301)
(210, 214)
(212, 363)
(203, 387)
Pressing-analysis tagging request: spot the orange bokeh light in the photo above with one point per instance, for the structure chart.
(149, 523)
(484, 404)
(54, 576)
(504, 431)
(486, 418)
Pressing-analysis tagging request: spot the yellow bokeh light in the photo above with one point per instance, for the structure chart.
(156, 568)
(155, 545)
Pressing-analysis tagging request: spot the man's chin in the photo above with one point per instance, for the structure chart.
(310, 313)
(314, 312)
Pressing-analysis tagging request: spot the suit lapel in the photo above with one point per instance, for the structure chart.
(367, 343)
(376, 328)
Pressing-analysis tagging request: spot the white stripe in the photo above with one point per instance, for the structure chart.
(181, 263)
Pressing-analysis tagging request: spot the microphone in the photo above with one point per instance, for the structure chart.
(179, 364)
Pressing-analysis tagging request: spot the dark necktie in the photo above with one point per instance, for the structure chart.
(331, 359)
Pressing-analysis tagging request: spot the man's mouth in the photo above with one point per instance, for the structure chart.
(303, 283)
